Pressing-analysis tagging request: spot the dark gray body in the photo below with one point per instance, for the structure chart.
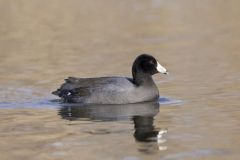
(107, 90)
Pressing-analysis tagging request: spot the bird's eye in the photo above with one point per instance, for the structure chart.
(151, 62)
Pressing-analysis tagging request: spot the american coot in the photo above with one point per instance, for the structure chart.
(115, 90)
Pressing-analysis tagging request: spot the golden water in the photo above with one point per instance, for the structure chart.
(42, 42)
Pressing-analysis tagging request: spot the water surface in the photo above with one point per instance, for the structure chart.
(42, 42)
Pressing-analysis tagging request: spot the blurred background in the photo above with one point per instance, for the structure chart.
(198, 41)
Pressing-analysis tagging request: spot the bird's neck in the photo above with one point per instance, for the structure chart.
(142, 79)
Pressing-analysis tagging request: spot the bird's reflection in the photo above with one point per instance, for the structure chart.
(142, 114)
(144, 128)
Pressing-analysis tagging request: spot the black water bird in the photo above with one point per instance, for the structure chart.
(115, 90)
